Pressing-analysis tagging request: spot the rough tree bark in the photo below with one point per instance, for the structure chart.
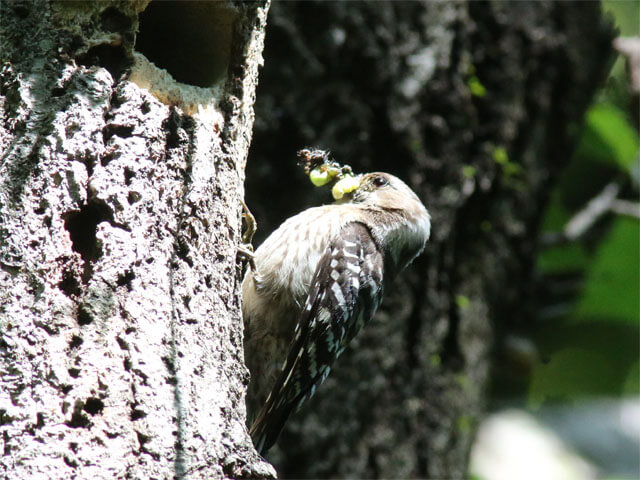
(476, 105)
(121, 336)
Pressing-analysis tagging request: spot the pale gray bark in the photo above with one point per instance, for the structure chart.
(121, 336)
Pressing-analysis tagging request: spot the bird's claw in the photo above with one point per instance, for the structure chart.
(245, 250)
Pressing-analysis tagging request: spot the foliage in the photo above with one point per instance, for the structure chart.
(588, 336)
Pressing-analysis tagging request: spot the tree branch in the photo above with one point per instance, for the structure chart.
(606, 201)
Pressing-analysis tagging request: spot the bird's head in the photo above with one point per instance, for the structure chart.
(402, 221)
(380, 190)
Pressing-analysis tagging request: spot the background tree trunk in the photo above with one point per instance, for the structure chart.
(119, 220)
(121, 336)
(476, 105)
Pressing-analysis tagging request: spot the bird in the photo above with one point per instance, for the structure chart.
(317, 280)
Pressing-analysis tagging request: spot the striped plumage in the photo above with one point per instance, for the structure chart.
(319, 279)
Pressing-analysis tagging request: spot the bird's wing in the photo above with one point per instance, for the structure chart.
(345, 292)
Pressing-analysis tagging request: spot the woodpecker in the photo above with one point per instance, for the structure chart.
(318, 279)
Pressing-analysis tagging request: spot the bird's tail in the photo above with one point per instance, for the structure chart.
(268, 424)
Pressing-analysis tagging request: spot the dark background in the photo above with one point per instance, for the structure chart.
(506, 122)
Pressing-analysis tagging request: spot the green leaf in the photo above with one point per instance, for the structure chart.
(562, 258)
(435, 360)
(570, 373)
(500, 155)
(613, 281)
(462, 302)
(626, 14)
(468, 171)
(608, 137)
(476, 87)
(632, 384)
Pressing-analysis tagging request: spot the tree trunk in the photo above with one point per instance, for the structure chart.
(120, 189)
(476, 105)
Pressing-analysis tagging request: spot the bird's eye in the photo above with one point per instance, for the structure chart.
(380, 182)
